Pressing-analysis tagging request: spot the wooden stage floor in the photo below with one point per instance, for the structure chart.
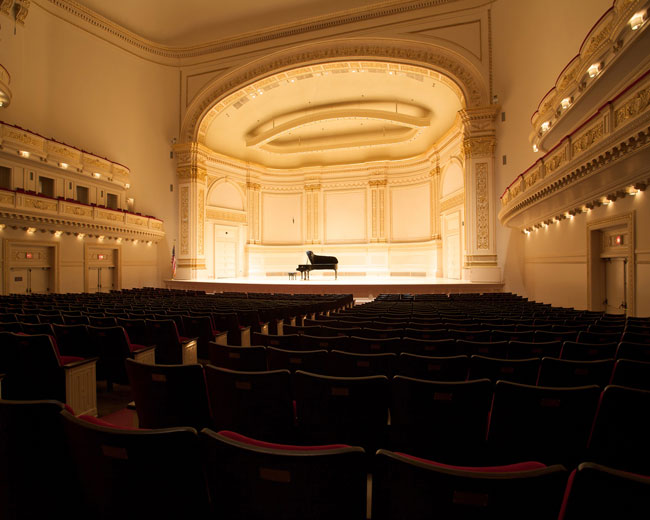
(361, 287)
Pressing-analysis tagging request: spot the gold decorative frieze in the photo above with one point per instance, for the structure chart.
(76, 210)
(44, 205)
(185, 220)
(7, 198)
(313, 187)
(555, 161)
(482, 207)
(479, 147)
(532, 176)
(587, 139)
(191, 172)
(117, 217)
(22, 138)
(380, 183)
(253, 186)
(155, 224)
(230, 216)
(201, 220)
(62, 151)
(632, 108)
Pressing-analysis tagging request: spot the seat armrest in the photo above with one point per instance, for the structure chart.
(145, 348)
(82, 362)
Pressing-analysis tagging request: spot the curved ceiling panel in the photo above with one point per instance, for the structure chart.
(336, 113)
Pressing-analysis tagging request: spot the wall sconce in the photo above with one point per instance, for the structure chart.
(637, 20)
(640, 186)
(97, 175)
(612, 197)
(58, 233)
(31, 230)
(593, 70)
(127, 185)
(80, 235)
(100, 237)
(118, 240)
(23, 153)
(149, 243)
(566, 102)
(535, 149)
(63, 165)
(135, 241)
(545, 126)
(2, 226)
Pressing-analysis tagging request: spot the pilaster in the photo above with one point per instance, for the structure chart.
(479, 141)
(313, 193)
(192, 174)
(378, 189)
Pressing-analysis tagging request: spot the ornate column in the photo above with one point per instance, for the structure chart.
(254, 207)
(313, 195)
(192, 174)
(480, 261)
(378, 189)
(434, 175)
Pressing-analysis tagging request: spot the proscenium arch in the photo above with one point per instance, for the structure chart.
(440, 59)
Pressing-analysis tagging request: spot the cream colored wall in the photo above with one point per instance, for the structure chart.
(532, 43)
(282, 218)
(410, 209)
(78, 89)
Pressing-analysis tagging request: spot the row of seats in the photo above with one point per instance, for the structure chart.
(547, 371)
(454, 419)
(106, 472)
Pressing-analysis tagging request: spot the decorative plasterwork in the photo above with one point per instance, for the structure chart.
(607, 41)
(432, 57)
(482, 207)
(229, 216)
(5, 92)
(191, 161)
(17, 9)
(40, 149)
(593, 156)
(114, 33)
(452, 202)
(185, 220)
(479, 147)
(59, 215)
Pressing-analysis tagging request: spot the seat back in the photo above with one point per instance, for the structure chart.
(113, 348)
(631, 373)
(588, 351)
(252, 479)
(564, 372)
(444, 420)
(541, 423)
(164, 334)
(443, 368)
(137, 473)
(168, 396)
(347, 364)
(252, 403)
(405, 487)
(238, 358)
(73, 340)
(515, 370)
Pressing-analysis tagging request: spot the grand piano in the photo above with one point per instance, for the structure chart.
(318, 262)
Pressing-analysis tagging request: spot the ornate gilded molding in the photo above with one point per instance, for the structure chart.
(185, 220)
(634, 107)
(201, 221)
(18, 9)
(229, 216)
(475, 147)
(482, 207)
(607, 41)
(452, 202)
(469, 80)
(191, 161)
(378, 183)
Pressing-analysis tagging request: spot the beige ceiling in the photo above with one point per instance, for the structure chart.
(190, 22)
(337, 113)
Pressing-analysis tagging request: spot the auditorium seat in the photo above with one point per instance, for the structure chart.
(285, 341)
(445, 420)
(523, 371)
(436, 368)
(258, 404)
(406, 488)
(430, 347)
(631, 373)
(524, 349)
(595, 491)
(598, 337)
(494, 348)
(350, 364)
(168, 396)
(368, 345)
(171, 348)
(350, 410)
(136, 474)
(621, 430)
(253, 479)
(292, 360)
(201, 328)
(37, 479)
(238, 358)
(566, 372)
(541, 423)
(588, 351)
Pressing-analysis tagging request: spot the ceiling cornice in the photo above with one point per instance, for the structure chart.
(104, 28)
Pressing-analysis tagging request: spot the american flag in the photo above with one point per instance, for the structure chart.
(173, 261)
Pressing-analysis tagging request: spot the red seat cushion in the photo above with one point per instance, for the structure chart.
(519, 466)
(291, 447)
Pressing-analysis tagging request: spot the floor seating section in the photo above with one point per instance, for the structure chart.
(462, 389)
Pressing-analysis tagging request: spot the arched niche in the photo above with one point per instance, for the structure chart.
(452, 179)
(223, 194)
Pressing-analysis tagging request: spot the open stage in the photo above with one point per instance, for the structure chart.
(361, 287)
